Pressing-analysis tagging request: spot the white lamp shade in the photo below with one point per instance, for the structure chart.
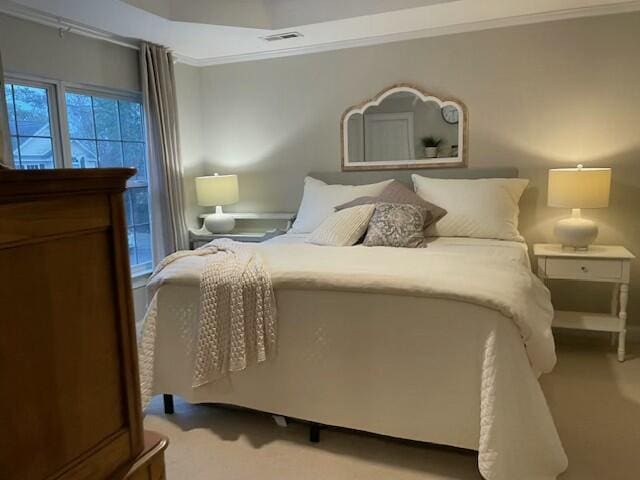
(579, 187)
(217, 190)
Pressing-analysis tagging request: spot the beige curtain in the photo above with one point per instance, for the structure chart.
(169, 231)
(6, 156)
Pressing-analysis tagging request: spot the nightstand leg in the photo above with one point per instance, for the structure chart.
(615, 292)
(624, 298)
(621, 348)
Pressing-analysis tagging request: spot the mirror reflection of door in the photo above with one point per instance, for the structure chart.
(388, 136)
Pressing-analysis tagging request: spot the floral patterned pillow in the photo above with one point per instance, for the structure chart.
(396, 225)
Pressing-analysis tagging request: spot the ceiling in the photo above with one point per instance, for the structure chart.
(271, 14)
(208, 32)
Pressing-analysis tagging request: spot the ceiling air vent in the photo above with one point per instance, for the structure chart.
(282, 36)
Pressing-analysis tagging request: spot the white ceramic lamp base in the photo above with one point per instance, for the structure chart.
(219, 222)
(576, 232)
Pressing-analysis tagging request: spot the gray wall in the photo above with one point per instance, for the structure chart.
(31, 48)
(539, 96)
(191, 122)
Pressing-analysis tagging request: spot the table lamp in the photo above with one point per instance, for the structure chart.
(216, 191)
(577, 188)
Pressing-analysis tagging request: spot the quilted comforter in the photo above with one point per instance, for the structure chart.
(511, 447)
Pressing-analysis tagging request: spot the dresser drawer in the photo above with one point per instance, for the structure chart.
(585, 269)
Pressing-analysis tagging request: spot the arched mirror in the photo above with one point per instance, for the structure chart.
(404, 127)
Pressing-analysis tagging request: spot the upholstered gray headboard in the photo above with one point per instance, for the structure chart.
(404, 176)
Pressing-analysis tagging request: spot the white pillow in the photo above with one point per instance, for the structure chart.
(320, 199)
(343, 228)
(483, 208)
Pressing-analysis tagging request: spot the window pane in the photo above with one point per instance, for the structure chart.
(131, 121)
(127, 207)
(30, 126)
(8, 93)
(16, 152)
(106, 115)
(143, 243)
(80, 116)
(132, 246)
(83, 154)
(32, 111)
(108, 133)
(140, 204)
(109, 154)
(36, 153)
(134, 157)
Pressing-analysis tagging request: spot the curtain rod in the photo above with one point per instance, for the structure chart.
(66, 26)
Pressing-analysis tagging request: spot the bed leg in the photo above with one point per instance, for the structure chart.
(314, 433)
(168, 404)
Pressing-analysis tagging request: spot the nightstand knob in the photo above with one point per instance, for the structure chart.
(584, 269)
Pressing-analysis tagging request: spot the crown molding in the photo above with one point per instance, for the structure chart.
(16, 10)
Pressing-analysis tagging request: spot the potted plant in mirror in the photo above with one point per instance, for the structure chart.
(431, 145)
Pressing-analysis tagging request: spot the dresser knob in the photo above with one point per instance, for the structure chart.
(584, 269)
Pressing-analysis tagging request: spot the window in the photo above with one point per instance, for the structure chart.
(101, 129)
(30, 126)
(108, 132)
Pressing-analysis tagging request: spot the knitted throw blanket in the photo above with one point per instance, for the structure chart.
(237, 315)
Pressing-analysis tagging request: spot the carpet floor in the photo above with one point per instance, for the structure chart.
(594, 399)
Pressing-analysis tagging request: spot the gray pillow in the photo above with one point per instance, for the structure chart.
(396, 192)
(396, 225)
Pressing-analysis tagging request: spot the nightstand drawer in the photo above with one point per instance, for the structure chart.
(586, 269)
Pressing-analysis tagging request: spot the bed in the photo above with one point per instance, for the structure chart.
(388, 341)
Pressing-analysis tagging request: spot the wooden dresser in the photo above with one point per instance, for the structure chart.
(150, 464)
(70, 403)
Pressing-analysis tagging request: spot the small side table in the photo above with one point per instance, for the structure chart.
(600, 263)
(200, 237)
(287, 218)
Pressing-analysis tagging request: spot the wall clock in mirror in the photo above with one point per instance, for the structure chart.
(450, 114)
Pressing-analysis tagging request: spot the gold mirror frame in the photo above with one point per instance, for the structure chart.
(449, 162)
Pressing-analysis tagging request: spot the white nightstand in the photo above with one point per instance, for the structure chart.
(600, 263)
(199, 237)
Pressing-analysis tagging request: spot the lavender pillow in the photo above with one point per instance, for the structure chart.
(397, 193)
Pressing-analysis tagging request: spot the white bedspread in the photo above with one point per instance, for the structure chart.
(494, 274)
(517, 437)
